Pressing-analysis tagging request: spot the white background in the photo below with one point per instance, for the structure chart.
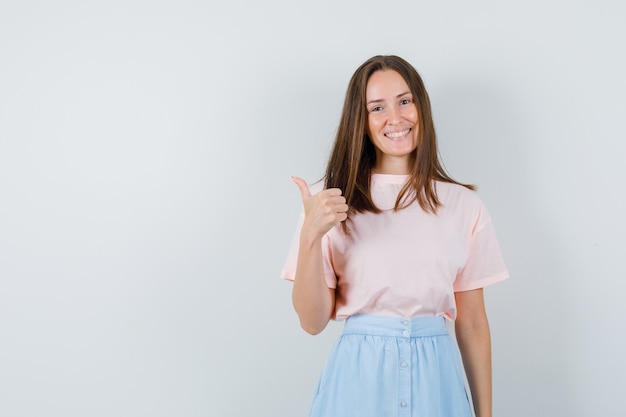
(146, 206)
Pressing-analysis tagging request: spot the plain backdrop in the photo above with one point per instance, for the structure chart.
(146, 206)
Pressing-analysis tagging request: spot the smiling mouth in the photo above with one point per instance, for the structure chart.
(396, 135)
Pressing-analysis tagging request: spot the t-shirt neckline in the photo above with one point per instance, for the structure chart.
(390, 178)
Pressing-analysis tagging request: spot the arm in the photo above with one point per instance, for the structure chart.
(312, 299)
(473, 337)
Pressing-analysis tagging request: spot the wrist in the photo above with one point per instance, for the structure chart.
(309, 238)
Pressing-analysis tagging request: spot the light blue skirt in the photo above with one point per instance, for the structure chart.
(390, 366)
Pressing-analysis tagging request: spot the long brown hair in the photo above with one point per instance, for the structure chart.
(353, 155)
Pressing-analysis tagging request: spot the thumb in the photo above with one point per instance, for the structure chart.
(302, 185)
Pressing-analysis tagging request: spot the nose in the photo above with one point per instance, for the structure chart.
(394, 115)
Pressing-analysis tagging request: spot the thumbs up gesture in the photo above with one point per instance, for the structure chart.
(323, 210)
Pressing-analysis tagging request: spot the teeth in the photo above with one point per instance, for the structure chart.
(397, 134)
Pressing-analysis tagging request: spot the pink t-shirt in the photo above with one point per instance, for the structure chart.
(408, 263)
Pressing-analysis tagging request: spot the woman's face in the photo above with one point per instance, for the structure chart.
(392, 121)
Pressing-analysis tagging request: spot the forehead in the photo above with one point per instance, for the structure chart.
(385, 84)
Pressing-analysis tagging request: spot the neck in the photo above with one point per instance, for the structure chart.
(393, 166)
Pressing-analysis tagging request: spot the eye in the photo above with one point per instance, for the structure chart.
(376, 108)
(405, 101)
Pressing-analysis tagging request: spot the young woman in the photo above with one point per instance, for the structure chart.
(393, 245)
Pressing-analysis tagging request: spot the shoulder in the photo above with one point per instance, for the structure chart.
(447, 191)
(459, 199)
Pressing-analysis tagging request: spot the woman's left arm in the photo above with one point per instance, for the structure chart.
(473, 337)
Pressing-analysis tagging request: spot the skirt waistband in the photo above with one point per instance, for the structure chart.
(395, 326)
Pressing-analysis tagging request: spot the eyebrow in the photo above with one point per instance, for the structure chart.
(380, 100)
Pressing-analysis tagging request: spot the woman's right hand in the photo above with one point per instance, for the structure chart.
(313, 300)
(323, 210)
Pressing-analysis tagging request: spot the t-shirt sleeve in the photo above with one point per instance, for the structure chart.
(289, 268)
(485, 264)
